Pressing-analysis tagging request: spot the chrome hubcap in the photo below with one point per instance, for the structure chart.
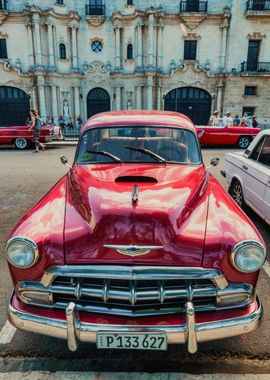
(21, 143)
(244, 142)
(237, 194)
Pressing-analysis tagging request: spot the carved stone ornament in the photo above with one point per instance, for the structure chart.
(3, 16)
(192, 21)
(191, 36)
(95, 21)
(256, 36)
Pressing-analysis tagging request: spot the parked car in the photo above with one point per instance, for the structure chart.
(234, 135)
(248, 175)
(137, 246)
(21, 136)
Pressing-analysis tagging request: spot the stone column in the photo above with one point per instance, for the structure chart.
(138, 98)
(140, 44)
(150, 93)
(74, 45)
(77, 102)
(223, 46)
(159, 89)
(150, 41)
(118, 98)
(30, 45)
(41, 97)
(117, 47)
(50, 45)
(160, 47)
(55, 114)
(38, 56)
(219, 97)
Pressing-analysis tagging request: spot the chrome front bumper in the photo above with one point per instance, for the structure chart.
(191, 332)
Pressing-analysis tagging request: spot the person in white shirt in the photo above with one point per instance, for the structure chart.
(227, 120)
(214, 119)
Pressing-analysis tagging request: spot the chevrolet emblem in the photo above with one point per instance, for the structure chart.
(133, 250)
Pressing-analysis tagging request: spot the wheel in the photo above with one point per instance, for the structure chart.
(243, 142)
(236, 193)
(21, 143)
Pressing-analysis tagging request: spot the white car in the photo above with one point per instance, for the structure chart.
(248, 175)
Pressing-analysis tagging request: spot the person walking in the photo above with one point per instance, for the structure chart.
(254, 122)
(227, 120)
(214, 119)
(36, 125)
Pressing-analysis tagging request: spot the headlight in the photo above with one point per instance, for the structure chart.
(248, 256)
(21, 252)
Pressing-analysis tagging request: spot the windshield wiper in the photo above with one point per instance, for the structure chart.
(103, 153)
(148, 152)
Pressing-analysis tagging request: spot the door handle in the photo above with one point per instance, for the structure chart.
(245, 167)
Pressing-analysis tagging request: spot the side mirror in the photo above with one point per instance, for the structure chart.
(214, 161)
(64, 160)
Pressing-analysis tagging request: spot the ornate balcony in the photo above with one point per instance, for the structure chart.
(95, 10)
(193, 6)
(3, 5)
(256, 68)
(255, 8)
(95, 14)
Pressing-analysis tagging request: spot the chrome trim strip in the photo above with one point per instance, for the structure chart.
(135, 193)
(191, 327)
(71, 332)
(134, 273)
(86, 332)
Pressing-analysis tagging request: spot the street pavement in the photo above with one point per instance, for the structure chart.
(24, 179)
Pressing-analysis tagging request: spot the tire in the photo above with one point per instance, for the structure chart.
(21, 143)
(243, 142)
(236, 192)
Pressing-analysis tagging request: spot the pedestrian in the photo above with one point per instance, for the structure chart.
(227, 120)
(214, 119)
(254, 122)
(236, 121)
(70, 124)
(62, 124)
(79, 122)
(37, 124)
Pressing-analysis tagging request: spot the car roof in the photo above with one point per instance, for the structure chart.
(265, 132)
(139, 118)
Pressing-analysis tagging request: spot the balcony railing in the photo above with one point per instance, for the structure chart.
(258, 5)
(259, 67)
(95, 10)
(3, 5)
(193, 6)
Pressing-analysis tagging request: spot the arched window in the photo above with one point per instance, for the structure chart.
(129, 51)
(62, 51)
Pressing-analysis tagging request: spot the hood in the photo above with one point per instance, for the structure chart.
(170, 212)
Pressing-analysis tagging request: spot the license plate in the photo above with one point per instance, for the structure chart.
(137, 341)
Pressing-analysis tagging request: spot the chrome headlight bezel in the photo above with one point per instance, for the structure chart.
(26, 242)
(242, 245)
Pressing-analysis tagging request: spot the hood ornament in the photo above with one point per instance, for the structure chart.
(133, 250)
(135, 194)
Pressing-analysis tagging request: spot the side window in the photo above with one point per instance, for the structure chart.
(264, 157)
(256, 152)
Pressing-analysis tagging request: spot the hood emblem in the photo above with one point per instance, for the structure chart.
(133, 250)
(135, 194)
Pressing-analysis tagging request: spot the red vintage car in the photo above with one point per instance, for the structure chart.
(21, 136)
(137, 246)
(233, 135)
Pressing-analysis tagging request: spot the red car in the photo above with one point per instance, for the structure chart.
(21, 136)
(137, 246)
(239, 136)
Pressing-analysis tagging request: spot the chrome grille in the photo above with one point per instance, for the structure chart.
(134, 291)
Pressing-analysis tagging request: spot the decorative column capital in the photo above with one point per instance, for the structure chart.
(117, 25)
(73, 25)
(139, 23)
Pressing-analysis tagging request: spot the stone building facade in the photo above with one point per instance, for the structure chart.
(79, 57)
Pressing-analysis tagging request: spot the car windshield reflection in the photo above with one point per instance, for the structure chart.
(138, 145)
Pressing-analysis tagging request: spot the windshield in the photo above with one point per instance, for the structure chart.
(138, 144)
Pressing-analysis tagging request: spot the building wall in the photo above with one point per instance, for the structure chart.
(35, 28)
